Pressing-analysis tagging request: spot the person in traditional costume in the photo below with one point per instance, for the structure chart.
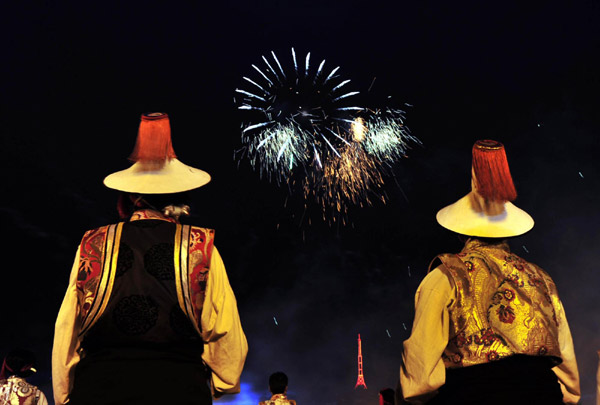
(18, 365)
(489, 327)
(278, 384)
(149, 316)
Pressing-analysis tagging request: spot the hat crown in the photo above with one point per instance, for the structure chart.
(491, 173)
(153, 142)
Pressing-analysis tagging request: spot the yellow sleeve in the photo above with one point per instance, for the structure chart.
(42, 399)
(225, 345)
(567, 372)
(65, 350)
(423, 371)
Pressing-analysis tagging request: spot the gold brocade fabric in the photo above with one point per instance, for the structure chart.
(278, 399)
(504, 306)
(16, 391)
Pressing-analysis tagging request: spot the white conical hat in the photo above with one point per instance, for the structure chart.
(485, 211)
(156, 169)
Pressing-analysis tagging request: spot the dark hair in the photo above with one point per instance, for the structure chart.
(19, 362)
(387, 395)
(278, 382)
(130, 202)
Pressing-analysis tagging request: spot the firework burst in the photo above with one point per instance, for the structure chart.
(303, 127)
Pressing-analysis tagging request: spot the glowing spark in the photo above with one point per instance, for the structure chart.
(275, 320)
(581, 175)
(404, 326)
(408, 271)
(525, 249)
(388, 333)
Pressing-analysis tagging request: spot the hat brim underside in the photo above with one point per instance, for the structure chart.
(146, 178)
(462, 218)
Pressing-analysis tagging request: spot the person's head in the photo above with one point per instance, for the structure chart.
(278, 383)
(386, 396)
(173, 204)
(19, 362)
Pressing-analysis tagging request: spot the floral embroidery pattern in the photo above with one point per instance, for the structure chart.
(506, 314)
(462, 340)
(492, 355)
(487, 337)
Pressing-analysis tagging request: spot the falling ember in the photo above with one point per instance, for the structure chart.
(361, 378)
(275, 320)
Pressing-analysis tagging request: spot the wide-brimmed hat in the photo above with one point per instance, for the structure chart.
(156, 169)
(487, 210)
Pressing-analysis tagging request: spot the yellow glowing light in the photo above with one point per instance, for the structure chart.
(358, 130)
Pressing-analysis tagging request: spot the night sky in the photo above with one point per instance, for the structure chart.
(76, 77)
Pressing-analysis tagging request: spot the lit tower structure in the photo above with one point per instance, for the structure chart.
(361, 377)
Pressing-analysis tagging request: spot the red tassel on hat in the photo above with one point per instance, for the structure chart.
(154, 139)
(491, 171)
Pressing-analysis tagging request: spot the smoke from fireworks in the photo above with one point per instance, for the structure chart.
(303, 128)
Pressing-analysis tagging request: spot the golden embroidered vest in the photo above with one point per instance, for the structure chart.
(504, 306)
(100, 265)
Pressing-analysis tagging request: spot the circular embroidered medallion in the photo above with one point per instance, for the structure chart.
(125, 260)
(135, 314)
(158, 261)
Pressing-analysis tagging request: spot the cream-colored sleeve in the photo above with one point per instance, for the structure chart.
(225, 345)
(423, 371)
(65, 350)
(42, 399)
(567, 372)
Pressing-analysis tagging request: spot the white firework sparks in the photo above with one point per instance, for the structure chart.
(303, 120)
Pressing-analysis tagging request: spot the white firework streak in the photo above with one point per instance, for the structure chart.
(247, 93)
(352, 93)
(278, 64)
(272, 70)
(257, 85)
(263, 75)
(306, 64)
(331, 74)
